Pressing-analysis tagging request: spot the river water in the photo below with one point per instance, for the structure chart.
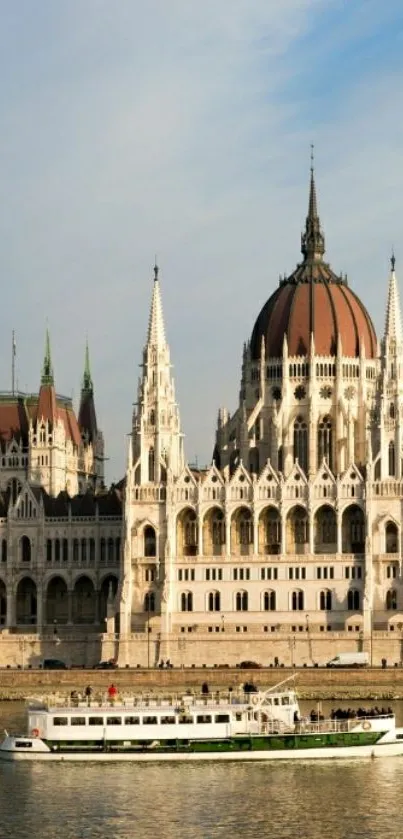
(314, 800)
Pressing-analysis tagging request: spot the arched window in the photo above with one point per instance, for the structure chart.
(57, 550)
(218, 528)
(214, 601)
(48, 550)
(4, 550)
(241, 601)
(149, 602)
(325, 442)
(91, 544)
(150, 541)
(102, 546)
(186, 601)
(301, 443)
(269, 601)
(65, 544)
(245, 528)
(151, 465)
(353, 600)
(75, 550)
(297, 601)
(391, 538)
(325, 600)
(83, 550)
(111, 551)
(391, 459)
(25, 549)
(391, 600)
(190, 531)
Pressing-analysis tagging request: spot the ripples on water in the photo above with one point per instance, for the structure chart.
(339, 800)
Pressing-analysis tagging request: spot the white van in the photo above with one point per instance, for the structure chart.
(349, 660)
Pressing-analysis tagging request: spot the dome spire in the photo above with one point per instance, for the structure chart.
(313, 240)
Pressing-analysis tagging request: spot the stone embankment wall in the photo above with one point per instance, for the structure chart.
(312, 683)
(196, 649)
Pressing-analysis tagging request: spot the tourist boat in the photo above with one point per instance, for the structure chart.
(261, 725)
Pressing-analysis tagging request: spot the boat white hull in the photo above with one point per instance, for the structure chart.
(342, 752)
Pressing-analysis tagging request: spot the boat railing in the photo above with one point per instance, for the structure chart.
(147, 700)
(307, 726)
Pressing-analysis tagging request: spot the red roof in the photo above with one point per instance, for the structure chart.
(17, 411)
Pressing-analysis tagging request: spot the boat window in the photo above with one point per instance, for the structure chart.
(203, 718)
(150, 720)
(285, 700)
(168, 720)
(238, 717)
(95, 720)
(114, 720)
(185, 720)
(60, 721)
(276, 701)
(23, 744)
(132, 720)
(222, 718)
(78, 721)
(268, 701)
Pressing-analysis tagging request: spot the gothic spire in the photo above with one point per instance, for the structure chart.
(87, 380)
(313, 240)
(156, 328)
(47, 369)
(393, 323)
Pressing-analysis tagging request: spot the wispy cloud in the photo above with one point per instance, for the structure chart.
(184, 128)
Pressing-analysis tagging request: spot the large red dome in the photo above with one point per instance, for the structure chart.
(313, 300)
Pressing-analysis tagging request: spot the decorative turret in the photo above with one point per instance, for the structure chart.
(157, 437)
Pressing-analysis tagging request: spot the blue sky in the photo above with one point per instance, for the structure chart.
(184, 128)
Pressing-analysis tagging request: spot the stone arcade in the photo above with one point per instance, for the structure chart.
(287, 548)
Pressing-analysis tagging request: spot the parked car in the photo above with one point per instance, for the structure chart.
(54, 664)
(106, 665)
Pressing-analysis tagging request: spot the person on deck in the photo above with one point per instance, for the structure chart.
(112, 692)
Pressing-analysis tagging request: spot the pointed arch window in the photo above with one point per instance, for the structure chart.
(150, 541)
(245, 528)
(301, 443)
(353, 600)
(186, 601)
(151, 465)
(391, 459)
(297, 601)
(218, 527)
(4, 550)
(241, 601)
(391, 600)
(149, 602)
(214, 601)
(325, 600)
(269, 601)
(325, 442)
(25, 549)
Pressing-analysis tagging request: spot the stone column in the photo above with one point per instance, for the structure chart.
(69, 607)
(39, 609)
(199, 535)
(339, 520)
(255, 533)
(311, 530)
(227, 534)
(283, 544)
(11, 615)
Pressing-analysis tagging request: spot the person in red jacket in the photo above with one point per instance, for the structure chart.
(112, 692)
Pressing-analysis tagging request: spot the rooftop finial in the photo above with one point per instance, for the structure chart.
(156, 269)
(312, 157)
(393, 260)
(87, 380)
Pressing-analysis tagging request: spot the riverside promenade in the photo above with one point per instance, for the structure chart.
(312, 683)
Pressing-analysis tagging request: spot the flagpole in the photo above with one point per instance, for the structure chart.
(13, 352)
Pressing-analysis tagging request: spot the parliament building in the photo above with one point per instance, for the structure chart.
(286, 550)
